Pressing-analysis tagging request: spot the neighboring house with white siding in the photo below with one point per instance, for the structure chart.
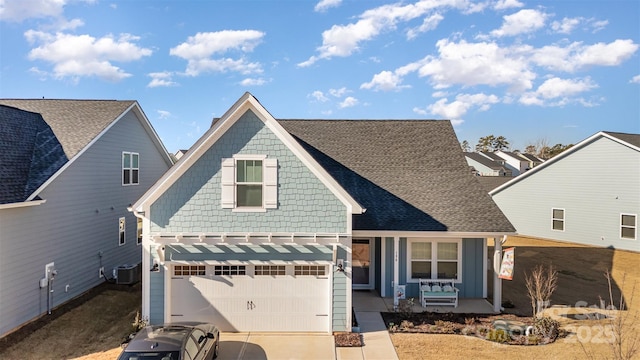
(517, 163)
(589, 194)
(485, 166)
(68, 171)
(268, 225)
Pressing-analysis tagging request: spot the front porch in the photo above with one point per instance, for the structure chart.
(370, 301)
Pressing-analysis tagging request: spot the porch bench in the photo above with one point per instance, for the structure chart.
(438, 293)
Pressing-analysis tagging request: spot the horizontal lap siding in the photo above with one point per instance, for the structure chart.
(78, 221)
(593, 185)
(472, 269)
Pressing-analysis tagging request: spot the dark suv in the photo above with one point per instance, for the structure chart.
(182, 341)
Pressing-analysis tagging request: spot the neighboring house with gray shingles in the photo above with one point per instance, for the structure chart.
(588, 194)
(268, 225)
(484, 166)
(63, 198)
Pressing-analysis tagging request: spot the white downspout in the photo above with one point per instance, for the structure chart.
(396, 270)
(146, 264)
(497, 282)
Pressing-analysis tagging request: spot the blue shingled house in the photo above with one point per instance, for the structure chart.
(68, 171)
(268, 225)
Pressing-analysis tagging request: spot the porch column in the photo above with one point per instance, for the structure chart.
(396, 269)
(497, 282)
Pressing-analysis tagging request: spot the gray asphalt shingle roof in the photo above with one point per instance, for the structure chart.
(29, 154)
(484, 160)
(38, 136)
(410, 175)
(74, 122)
(633, 139)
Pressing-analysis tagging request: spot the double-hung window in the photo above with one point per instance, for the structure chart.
(130, 168)
(628, 226)
(436, 260)
(249, 183)
(557, 219)
(421, 260)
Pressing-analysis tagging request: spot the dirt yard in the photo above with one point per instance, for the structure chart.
(94, 328)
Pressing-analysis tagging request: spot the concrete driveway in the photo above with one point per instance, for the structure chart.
(276, 346)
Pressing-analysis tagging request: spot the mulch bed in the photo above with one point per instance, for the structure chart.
(348, 339)
(478, 325)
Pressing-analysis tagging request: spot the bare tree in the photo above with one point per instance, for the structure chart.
(541, 284)
(465, 146)
(624, 342)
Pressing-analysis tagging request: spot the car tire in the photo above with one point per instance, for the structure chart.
(215, 350)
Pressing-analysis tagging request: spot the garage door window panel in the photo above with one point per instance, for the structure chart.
(229, 270)
(309, 270)
(273, 270)
(189, 270)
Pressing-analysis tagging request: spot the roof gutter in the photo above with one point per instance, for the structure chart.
(22, 204)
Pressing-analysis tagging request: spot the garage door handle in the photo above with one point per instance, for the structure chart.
(250, 305)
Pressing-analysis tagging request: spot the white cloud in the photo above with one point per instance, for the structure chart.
(318, 96)
(253, 82)
(198, 50)
(385, 81)
(577, 56)
(349, 101)
(83, 55)
(566, 26)
(524, 21)
(456, 109)
(558, 92)
(338, 92)
(19, 10)
(507, 4)
(324, 5)
(483, 63)
(163, 114)
(635, 79)
(344, 40)
(429, 23)
(161, 79)
(598, 25)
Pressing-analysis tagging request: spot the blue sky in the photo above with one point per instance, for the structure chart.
(551, 71)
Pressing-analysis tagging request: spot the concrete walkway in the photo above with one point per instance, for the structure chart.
(377, 342)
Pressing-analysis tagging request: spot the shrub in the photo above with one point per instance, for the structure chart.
(405, 307)
(498, 335)
(547, 327)
(445, 327)
(406, 325)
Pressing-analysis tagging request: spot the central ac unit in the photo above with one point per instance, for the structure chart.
(126, 274)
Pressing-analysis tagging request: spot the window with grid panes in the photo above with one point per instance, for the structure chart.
(189, 270)
(316, 270)
(270, 270)
(229, 270)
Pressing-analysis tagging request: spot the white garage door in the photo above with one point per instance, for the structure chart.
(253, 298)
